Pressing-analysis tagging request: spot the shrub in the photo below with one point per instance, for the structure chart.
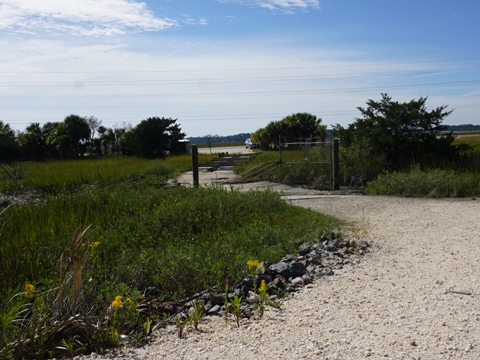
(426, 183)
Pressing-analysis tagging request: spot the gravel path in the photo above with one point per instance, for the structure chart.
(416, 295)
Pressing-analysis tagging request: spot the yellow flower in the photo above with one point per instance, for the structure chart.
(117, 303)
(95, 244)
(130, 302)
(254, 266)
(263, 287)
(29, 288)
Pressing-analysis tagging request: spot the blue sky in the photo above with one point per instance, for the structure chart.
(231, 66)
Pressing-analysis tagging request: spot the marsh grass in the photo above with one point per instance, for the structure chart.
(436, 183)
(177, 240)
(57, 176)
(459, 177)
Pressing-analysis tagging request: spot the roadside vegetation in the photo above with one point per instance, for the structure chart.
(393, 148)
(99, 255)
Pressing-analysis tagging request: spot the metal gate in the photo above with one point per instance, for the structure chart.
(318, 167)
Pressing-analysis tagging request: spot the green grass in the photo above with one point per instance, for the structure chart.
(143, 235)
(156, 237)
(55, 176)
(468, 138)
(435, 183)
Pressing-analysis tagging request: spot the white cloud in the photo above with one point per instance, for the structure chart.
(190, 20)
(80, 17)
(284, 5)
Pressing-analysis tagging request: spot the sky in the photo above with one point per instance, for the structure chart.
(223, 67)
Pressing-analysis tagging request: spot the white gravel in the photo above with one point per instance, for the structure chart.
(416, 295)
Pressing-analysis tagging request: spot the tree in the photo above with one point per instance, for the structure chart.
(94, 125)
(152, 138)
(76, 132)
(52, 132)
(33, 142)
(299, 126)
(402, 133)
(9, 148)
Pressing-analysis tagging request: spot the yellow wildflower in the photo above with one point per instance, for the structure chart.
(254, 266)
(95, 244)
(117, 303)
(130, 302)
(263, 287)
(29, 288)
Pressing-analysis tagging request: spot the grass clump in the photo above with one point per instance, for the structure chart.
(436, 183)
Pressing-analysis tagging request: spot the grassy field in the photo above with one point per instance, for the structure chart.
(468, 138)
(74, 265)
(55, 176)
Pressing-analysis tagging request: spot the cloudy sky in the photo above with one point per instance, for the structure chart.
(230, 66)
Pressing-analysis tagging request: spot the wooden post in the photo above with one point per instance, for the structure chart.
(195, 165)
(336, 164)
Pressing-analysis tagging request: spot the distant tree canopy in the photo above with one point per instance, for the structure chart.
(463, 127)
(299, 126)
(152, 138)
(214, 139)
(401, 133)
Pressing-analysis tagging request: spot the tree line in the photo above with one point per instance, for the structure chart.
(83, 136)
(387, 136)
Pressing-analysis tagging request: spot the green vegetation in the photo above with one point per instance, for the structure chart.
(435, 183)
(78, 137)
(457, 178)
(394, 148)
(66, 175)
(297, 126)
(471, 139)
(64, 294)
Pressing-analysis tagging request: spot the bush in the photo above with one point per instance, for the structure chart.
(426, 183)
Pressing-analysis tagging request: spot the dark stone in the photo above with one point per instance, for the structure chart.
(281, 269)
(215, 310)
(288, 258)
(218, 299)
(297, 269)
(304, 249)
(330, 247)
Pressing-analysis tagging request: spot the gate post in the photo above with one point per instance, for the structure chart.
(336, 163)
(195, 165)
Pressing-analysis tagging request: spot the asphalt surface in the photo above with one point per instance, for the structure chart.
(225, 149)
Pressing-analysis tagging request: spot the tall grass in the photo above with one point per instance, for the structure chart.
(458, 177)
(55, 176)
(179, 240)
(426, 183)
(175, 240)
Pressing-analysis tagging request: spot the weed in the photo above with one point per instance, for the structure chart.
(197, 313)
(181, 322)
(233, 307)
